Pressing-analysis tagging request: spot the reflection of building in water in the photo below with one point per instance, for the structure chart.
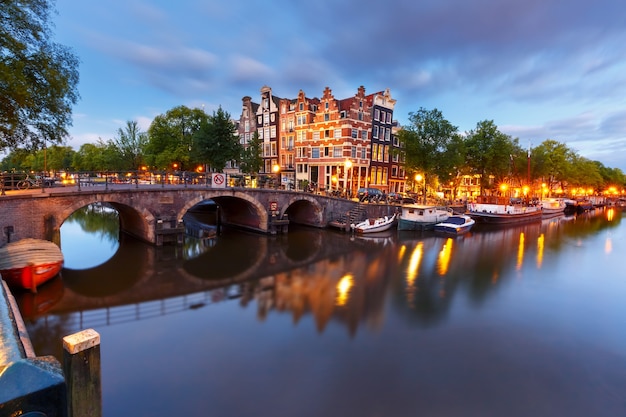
(349, 288)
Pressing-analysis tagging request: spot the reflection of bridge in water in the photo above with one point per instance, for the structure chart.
(300, 273)
(142, 281)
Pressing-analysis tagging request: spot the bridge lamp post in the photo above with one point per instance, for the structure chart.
(276, 170)
(422, 179)
(346, 167)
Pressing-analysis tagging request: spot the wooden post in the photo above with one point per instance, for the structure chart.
(81, 365)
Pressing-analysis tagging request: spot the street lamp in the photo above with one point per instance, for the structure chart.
(420, 178)
(276, 170)
(347, 165)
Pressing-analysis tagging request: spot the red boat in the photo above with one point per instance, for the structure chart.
(28, 263)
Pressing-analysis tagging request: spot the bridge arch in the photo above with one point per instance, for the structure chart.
(238, 208)
(303, 209)
(134, 221)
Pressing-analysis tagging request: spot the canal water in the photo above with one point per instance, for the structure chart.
(518, 321)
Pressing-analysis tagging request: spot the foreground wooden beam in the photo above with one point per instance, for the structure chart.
(81, 365)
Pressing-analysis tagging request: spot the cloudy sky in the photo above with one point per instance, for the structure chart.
(540, 69)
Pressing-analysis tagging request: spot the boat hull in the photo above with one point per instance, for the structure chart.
(32, 276)
(29, 263)
(404, 224)
(502, 218)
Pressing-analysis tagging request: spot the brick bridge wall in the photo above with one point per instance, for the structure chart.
(150, 213)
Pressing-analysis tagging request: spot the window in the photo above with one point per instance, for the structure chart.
(315, 152)
(273, 117)
(353, 152)
(337, 133)
(327, 133)
(327, 151)
(355, 133)
(377, 114)
(337, 152)
(360, 115)
(301, 106)
(266, 118)
(375, 132)
(387, 134)
(260, 119)
(343, 114)
(326, 105)
(364, 134)
(326, 117)
(316, 135)
(363, 153)
(273, 132)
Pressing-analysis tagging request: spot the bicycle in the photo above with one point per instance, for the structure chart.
(28, 182)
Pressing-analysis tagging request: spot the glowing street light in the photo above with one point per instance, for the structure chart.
(276, 170)
(347, 165)
(420, 178)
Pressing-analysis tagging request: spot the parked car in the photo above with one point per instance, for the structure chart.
(400, 198)
(370, 194)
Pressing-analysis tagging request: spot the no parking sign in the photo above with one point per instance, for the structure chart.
(218, 180)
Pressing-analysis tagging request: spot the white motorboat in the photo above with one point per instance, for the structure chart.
(456, 224)
(375, 224)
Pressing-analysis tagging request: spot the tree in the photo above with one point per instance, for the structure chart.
(170, 137)
(89, 157)
(427, 139)
(216, 142)
(38, 77)
(489, 153)
(131, 143)
(251, 159)
(550, 161)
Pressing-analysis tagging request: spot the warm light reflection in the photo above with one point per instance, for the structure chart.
(520, 252)
(610, 214)
(608, 246)
(444, 257)
(343, 289)
(401, 252)
(540, 243)
(412, 271)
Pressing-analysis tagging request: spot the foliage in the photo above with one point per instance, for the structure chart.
(432, 145)
(130, 143)
(216, 142)
(251, 156)
(170, 138)
(489, 153)
(38, 77)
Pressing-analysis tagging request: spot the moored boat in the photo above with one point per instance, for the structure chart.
(499, 210)
(422, 217)
(374, 225)
(28, 263)
(456, 224)
(552, 206)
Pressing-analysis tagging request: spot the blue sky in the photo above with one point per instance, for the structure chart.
(540, 69)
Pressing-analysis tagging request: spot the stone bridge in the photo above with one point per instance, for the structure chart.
(154, 213)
